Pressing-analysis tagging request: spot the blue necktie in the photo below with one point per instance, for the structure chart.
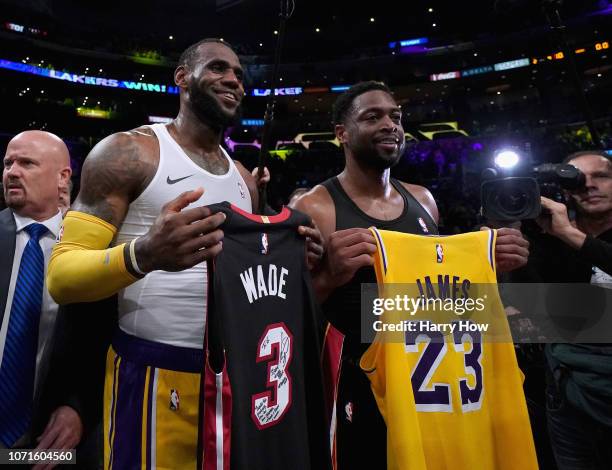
(21, 345)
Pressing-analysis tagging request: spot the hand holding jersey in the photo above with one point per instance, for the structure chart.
(315, 246)
(180, 238)
(348, 251)
(351, 249)
(511, 249)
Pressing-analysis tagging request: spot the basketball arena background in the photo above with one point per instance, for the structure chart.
(472, 78)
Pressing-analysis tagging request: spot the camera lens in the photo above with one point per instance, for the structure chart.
(510, 198)
(513, 200)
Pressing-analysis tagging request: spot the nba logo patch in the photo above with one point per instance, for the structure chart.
(348, 409)
(174, 399)
(264, 244)
(60, 234)
(439, 253)
(423, 225)
(242, 193)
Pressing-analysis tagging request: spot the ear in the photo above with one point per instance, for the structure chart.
(180, 76)
(340, 130)
(64, 175)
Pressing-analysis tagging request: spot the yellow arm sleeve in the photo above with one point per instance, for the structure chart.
(82, 267)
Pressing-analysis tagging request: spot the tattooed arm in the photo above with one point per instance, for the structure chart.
(115, 173)
(119, 169)
(82, 267)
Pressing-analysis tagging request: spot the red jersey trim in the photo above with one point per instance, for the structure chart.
(263, 219)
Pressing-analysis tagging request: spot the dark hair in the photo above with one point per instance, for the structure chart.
(189, 54)
(582, 153)
(344, 103)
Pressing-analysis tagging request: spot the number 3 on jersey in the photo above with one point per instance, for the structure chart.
(275, 346)
(437, 396)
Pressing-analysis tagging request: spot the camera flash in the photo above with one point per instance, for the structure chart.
(506, 159)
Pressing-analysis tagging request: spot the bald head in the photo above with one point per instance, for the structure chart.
(46, 144)
(36, 167)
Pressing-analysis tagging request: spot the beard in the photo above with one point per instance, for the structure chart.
(14, 202)
(209, 111)
(11, 200)
(374, 158)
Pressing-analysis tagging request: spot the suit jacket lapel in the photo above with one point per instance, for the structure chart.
(7, 253)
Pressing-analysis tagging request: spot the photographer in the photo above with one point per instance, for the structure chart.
(579, 389)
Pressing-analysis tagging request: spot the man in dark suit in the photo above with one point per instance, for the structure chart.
(32, 331)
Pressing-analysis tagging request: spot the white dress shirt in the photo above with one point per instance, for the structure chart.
(48, 313)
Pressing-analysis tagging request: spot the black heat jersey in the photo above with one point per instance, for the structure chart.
(359, 433)
(263, 395)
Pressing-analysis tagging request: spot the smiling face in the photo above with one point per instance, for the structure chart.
(214, 85)
(596, 197)
(372, 132)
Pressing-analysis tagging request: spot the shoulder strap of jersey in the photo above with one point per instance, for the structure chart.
(381, 260)
(410, 199)
(491, 249)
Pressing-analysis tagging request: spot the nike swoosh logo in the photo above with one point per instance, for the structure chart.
(170, 181)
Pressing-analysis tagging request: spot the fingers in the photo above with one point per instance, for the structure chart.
(195, 214)
(201, 242)
(350, 250)
(193, 223)
(508, 231)
(546, 202)
(360, 261)
(206, 224)
(552, 206)
(315, 249)
(314, 255)
(68, 439)
(512, 240)
(52, 419)
(351, 237)
(314, 244)
(349, 231)
(265, 176)
(310, 232)
(512, 250)
(49, 434)
(183, 200)
(358, 249)
(63, 430)
(511, 236)
(510, 262)
(312, 261)
(203, 255)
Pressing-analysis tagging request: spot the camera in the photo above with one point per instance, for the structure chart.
(517, 197)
